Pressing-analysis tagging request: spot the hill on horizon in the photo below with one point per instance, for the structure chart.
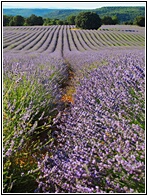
(124, 14)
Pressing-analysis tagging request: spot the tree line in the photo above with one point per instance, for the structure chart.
(90, 20)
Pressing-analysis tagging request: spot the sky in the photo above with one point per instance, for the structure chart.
(68, 4)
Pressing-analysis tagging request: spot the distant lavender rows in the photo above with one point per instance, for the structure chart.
(101, 145)
(64, 38)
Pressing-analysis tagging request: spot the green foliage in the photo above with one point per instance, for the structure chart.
(71, 19)
(124, 14)
(107, 20)
(88, 20)
(128, 23)
(60, 22)
(115, 20)
(18, 20)
(11, 23)
(53, 22)
(6, 20)
(47, 21)
(34, 20)
(140, 21)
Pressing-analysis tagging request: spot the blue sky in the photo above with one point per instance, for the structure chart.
(68, 4)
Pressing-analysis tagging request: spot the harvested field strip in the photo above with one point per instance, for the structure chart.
(116, 39)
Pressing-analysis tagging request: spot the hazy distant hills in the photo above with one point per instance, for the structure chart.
(123, 13)
(50, 13)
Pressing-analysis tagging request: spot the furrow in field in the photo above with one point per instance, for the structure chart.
(86, 40)
(91, 37)
(134, 38)
(15, 39)
(28, 41)
(115, 40)
(43, 46)
(123, 40)
(131, 39)
(53, 42)
(94, 40)
(12, 36)
(91, 42)
(8, 36)
(42, 41)
(97, 38)
(104, 39)
(59, 41)
(112, 43)
(139, 38)
(20, 41)
(15, 35)
(73, 46)
(77, 41)
(35, 41)
(83, 40)
(80, 40)
(66, 43)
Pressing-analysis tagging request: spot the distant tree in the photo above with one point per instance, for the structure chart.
(65, 22)
(30, 21)
(60, 22)
(128, 22)
(18, 20)
(107, 20)
(53, 21)
(115, 20)
(71, 20)
(11, 23)
(88, 20)
(140, 21)
(6, 20)
(34, 20)
(47, 21)
(39, 21)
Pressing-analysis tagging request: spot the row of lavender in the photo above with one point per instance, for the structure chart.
(31, 98)
(65, 37)
(101, 145)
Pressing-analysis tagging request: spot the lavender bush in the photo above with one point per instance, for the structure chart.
(31, 93)
(102, 139)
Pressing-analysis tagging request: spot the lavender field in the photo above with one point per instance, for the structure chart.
(65, 38)
(74, 109)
